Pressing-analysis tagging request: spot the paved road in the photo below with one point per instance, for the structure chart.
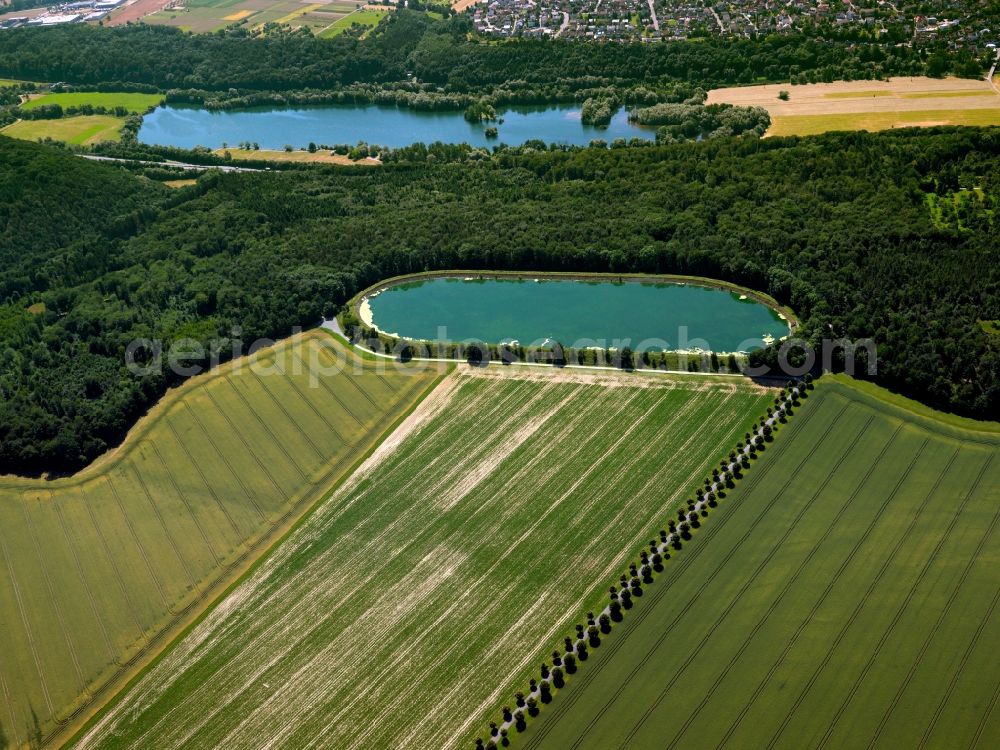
(993, 70)
(717, 19)
(652, 12)
(565, 23)
(174, 164)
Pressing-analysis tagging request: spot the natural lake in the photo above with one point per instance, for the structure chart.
(652, 316)
(187, 127)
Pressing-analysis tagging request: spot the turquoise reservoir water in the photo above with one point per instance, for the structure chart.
(643, 316)
(187, 127)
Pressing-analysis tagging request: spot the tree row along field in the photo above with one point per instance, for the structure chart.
(94, 568)
(844, 595)
(416, 600)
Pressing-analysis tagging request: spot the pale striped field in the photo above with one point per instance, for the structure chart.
(417, 599)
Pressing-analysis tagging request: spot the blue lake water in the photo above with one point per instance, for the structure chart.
(187, 127)
(651, 316)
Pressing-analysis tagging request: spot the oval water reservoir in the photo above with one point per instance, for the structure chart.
(646, 316)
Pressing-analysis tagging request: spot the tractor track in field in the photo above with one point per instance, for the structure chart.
(204, 480)
(265, 427)
(904, 605)
(247, 448)
(183, 498)
(114, 567)
(776, 664)
(326, 386)
(167, 534)
(196, 418)
(86, 584)
(862, 601)
(982, 624)
(630, 623)
(990, 707)
(320, 454)
(135, 540)
(315, 410)
(291, 616)
(771, 609)
(60, 618)
(322, 667)
(761, 567)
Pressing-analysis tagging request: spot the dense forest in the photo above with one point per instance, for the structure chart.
(442, 54)
(840, 227)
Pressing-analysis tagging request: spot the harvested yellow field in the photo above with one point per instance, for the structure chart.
(318, 157)
(239, 15)
(299, 12)
(869, 105)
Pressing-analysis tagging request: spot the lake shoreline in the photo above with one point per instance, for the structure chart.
(389, 126)
(360, 304)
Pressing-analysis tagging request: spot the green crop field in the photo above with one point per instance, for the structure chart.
(361, 17)
(96, 569)
(414, 602)
(813, 124)
(130, 101)
(81, 129)
(843, 596)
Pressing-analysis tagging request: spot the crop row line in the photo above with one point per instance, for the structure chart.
(200, 595)
(261, 516)
(167, 533)
(326, 387)
(853, 553)
(772, 608)
(135, 540)
(248, 449)
(10, 708)
(281, 407)
(633, 622)
(982, 623)
(204, 479)
(490, 427)
(24, 622)
(612, 476)
(482, 579)
(318, 631)
(776, 664)
(374, 369)
(685, 448)
(60, 618)
(862, 600)
(183, 498)
(906, 599)
(114, 565)
(315, 410)
(279, 444)
(286, 613)
(990, 707)
(84, 580)
(761, 566)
